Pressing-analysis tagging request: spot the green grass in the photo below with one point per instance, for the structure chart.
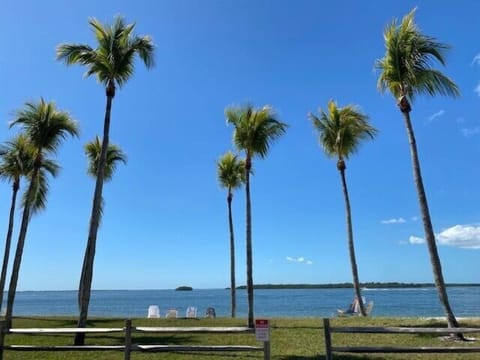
(291, 339)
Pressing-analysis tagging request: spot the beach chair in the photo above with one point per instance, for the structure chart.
(153, 311)
(354, 308)
(210, 313)
(171, 314)
(191, 312)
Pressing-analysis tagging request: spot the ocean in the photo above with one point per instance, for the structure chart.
(295, 303)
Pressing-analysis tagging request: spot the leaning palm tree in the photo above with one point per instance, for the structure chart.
(46, 127)
(341, 130)
(406, 71)
(16, 162)
(112, 62)
(231, 176)
(255, 130)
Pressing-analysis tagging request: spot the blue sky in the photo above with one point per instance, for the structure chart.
(165, 221)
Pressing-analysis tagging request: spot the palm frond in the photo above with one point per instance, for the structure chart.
(230, 171)
(255, 129)
(114, 55)
(115, 155)
(407, 67)
(342, 129)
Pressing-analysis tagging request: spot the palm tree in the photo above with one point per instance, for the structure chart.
(341, 130)
(406, 71)
(112, 62)
(16, 162)
(115, 155)
(46, 127)
(231, 176)
(255, 131)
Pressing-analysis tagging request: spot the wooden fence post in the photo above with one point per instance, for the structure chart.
(128, 339)
(266, 350)
(328, 339)
(2, 337)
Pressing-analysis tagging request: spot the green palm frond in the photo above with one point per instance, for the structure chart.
(342, 129)
(407, 67)
(114, 156)
(113, 58)
(45, 125)
(230, 171)
(255, 129)
(38, 201)
(16, 159)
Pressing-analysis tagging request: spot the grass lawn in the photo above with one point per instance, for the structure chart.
(291, 339)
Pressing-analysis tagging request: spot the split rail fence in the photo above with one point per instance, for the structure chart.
(330, 349)
(129, 346)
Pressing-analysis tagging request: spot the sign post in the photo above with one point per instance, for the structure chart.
(262, 333)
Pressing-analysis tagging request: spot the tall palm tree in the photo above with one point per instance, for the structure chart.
(112, 62)
(255, 131)
(406, 71)
(16, 162)
(46, 127)
(341, 130)
(231, 176)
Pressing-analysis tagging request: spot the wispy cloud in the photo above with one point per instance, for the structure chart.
(435, 115)
(476, 60)
(416, 240)
(414, 218)
(299, 259)
(399, 220)
(468, 132)
(463, 236)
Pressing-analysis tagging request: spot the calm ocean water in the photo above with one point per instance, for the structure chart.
(268, 303)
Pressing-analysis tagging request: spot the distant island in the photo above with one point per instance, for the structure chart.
(184, 288)
(367, 285)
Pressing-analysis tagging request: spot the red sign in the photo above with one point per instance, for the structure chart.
(262, 330)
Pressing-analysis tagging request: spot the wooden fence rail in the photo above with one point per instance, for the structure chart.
(129, 346)
(330, 349)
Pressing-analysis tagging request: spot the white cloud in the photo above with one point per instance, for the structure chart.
(476, 60)
(416, 240)
(467, 132)
(477, 89)
(300, 260)
(414, 218)
(436, 115)
(400, 220)
(463, 236)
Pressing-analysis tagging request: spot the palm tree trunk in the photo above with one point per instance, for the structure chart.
(19, 251)
(427, 225)
(248, 165)
(232, 257)
(85, 286)
(351, 249)
(8, 240)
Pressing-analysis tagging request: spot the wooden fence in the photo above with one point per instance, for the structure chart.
(330, 349)
(129, 346)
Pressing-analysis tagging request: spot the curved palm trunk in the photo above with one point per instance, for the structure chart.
(85, 285)
(248, 166)
(232, 257)
(353, 262)
(427, 223)
(19, 251)
(8, 240)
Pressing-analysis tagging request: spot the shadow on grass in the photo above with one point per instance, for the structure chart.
(336, 357)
